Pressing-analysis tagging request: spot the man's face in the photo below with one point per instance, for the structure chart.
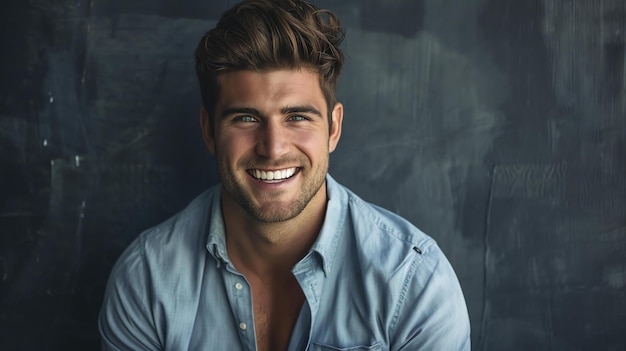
(271, 141)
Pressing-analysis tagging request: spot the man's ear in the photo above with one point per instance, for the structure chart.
(207, 131)
(335, 127)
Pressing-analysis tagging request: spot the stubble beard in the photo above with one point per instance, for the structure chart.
(270, 213)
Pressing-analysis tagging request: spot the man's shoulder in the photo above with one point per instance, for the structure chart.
(385, 241)
(191, 221)
(181, 235)
(421, 288)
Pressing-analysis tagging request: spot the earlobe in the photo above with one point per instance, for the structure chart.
(335, 128)
(207, 132)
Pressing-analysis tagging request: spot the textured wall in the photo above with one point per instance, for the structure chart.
(496, 126)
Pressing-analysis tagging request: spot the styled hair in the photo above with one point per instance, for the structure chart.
(271, 34)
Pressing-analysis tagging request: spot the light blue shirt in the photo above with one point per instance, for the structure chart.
(372, 281)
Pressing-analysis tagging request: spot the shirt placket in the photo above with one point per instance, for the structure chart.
(240, 298)
(311, 280)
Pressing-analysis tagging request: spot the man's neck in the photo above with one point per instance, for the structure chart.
(270, 250)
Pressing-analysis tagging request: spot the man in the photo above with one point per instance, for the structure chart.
(280, 256)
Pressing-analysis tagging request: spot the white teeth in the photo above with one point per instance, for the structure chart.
(273, 175)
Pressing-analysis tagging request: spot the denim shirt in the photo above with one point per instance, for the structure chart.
(372, 281)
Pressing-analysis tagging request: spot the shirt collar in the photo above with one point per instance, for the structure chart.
(325, 245)
(216, 241)
(334, 220)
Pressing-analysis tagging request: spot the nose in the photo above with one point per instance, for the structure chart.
(272, 140)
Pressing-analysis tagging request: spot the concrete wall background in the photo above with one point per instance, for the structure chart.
(498, 127)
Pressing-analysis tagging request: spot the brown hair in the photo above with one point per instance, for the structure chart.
(271, 34)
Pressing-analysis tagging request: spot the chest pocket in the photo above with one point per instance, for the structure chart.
(322, 347)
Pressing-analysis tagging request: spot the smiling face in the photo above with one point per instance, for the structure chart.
(272, 142)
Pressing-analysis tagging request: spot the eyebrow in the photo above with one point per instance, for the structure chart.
(239, 110)
(285, 110)
(301, 109)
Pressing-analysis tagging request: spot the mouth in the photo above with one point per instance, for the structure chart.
(273, 176)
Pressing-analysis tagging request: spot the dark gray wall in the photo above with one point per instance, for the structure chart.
(496, 126)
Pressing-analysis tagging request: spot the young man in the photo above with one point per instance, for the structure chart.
(280, 256)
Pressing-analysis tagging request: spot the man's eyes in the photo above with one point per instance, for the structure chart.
(252, 119)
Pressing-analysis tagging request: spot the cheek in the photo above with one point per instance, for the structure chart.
(313, 143)
(233, 145)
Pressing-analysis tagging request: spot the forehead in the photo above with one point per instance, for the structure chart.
(269, 88)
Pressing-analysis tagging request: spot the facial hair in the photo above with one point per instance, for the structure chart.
(277, 212)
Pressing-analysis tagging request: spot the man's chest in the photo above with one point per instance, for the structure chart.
(276, 308)
(232, 314)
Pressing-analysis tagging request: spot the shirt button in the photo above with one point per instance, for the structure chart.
(238, 286)
(243, 326)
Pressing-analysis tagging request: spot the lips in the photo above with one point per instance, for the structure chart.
(274, 175)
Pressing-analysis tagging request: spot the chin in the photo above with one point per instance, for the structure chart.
(275, 215)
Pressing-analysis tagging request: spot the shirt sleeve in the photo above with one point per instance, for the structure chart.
(126, 319)
(432, 314)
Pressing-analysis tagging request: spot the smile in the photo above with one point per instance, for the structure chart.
(280, 174)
